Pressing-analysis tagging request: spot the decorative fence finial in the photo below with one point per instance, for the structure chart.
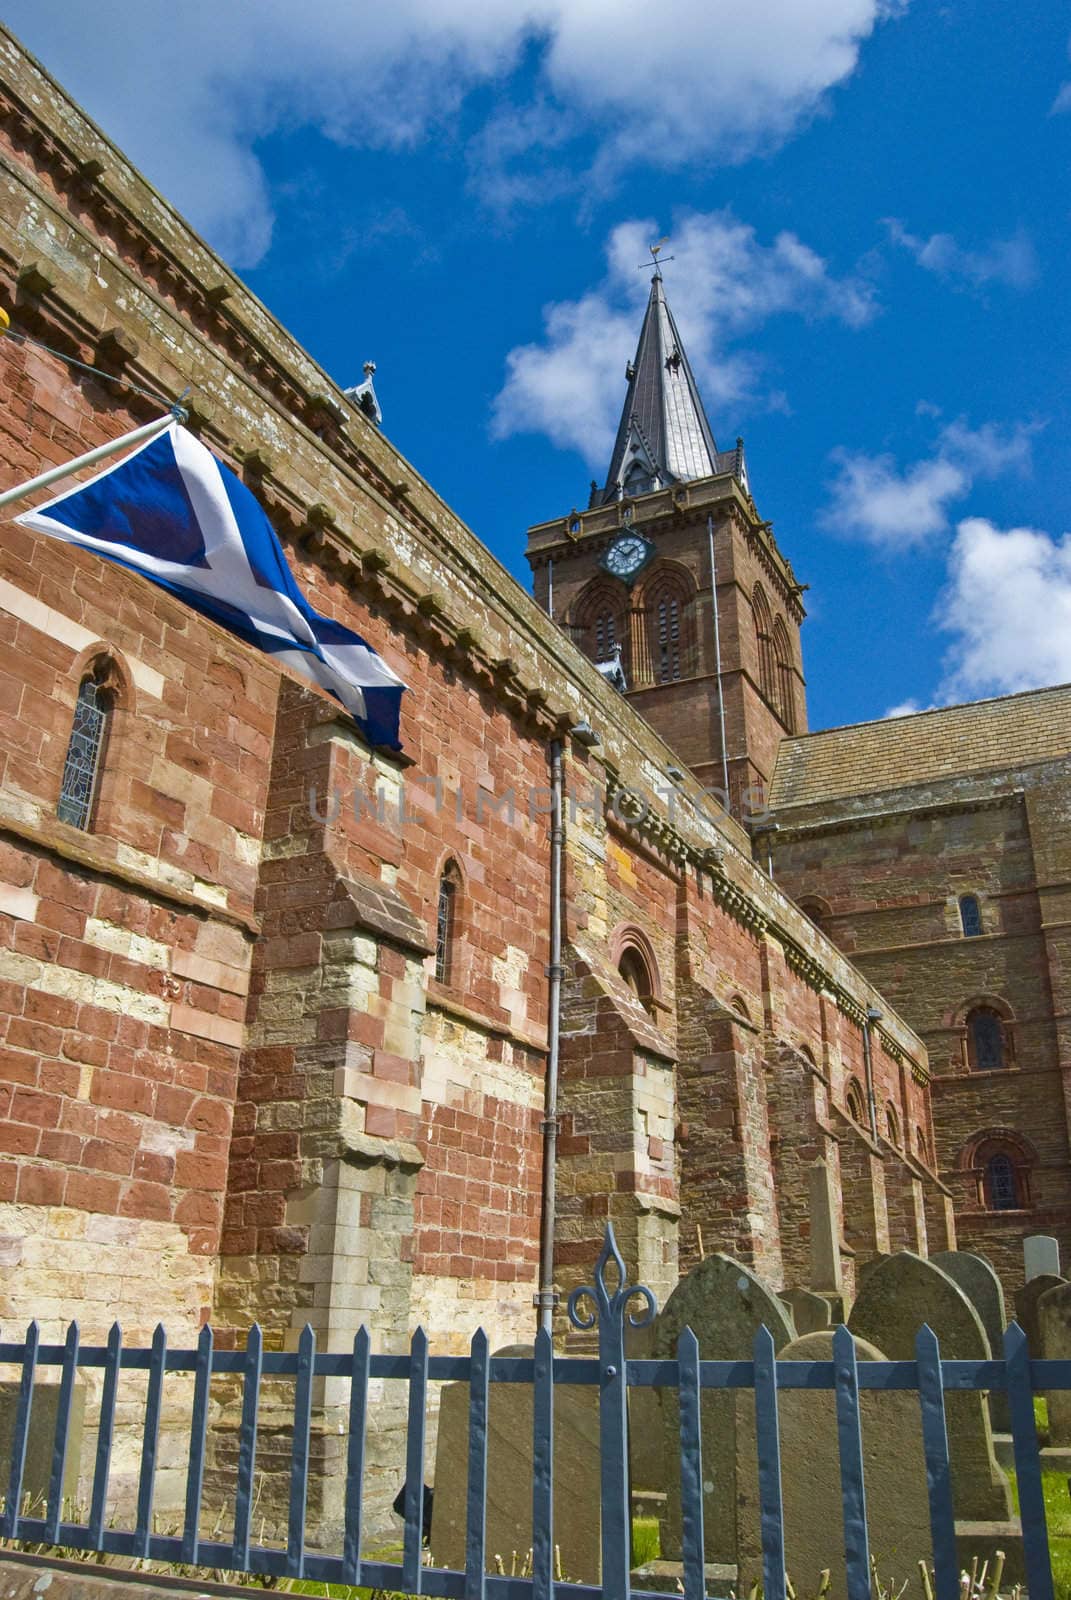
(607, 1303)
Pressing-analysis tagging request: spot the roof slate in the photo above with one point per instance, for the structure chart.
(663, 414)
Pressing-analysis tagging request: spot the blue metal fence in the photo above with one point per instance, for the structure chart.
(603, 1305)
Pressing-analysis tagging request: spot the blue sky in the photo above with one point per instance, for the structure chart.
(869, 207)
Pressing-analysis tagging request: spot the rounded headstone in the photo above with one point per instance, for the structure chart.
(901, 1294)
(1054, 1328)
(894, 1470)
(904, 1291)
(1026, 1308)
(980, 1284)
(725, 1305)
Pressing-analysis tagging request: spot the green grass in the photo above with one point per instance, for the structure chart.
(1054, 1487)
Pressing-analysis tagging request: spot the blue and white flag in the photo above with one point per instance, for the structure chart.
(173, 513)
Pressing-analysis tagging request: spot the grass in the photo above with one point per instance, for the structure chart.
(1055, 1489)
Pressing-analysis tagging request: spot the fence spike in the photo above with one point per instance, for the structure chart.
(476, 1505)
(247, 1445)
(768, 1442)
(150, 1440)
(412, 1566)
(299, 1452)
(930, 1384)
(853, 1491)
(105, 1435)
(351, 1546)
(195, 1471)
(1027, 1464)
(65, 1400)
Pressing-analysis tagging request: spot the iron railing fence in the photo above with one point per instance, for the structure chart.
(1017, 1375)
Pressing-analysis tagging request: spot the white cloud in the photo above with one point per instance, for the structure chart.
(875, 499)
(1063, 100)
(188, 92)
(1011, 262)
(723, 283)
(1008, 601)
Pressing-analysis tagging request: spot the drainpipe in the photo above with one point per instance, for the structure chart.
(717, 659)
(873, 1015)
(546, 1298)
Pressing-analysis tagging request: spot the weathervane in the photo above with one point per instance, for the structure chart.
(654, 249)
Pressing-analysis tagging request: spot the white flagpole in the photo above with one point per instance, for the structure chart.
(91, 457)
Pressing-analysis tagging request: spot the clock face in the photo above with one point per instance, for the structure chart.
(627, 555)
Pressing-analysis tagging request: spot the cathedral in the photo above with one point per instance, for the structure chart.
(298, 1028)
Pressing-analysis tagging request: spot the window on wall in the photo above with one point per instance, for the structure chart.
(1001, 1162)
(786, 689)
(633, 969)
(87, 746)
(764, 632)
(670, 643)
(1000, 1185)
(854, 1103)
(987, 1040)
(921, 1147)
(970, 916)
(599, 621)
(446, 923)
(892, 1124)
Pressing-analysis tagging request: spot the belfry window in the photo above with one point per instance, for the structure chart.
(446, 923)
(86, 748)
(970, 916)
(605, 636)
(669, 638)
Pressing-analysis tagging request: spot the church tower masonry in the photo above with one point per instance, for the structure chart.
(629, 580)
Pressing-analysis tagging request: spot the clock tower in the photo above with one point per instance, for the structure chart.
(673, 584)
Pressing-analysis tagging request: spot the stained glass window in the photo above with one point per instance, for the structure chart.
(970, 916)
(81, 769)
(1002, 1188)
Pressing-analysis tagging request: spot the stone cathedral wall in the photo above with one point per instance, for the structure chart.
(231, 1084)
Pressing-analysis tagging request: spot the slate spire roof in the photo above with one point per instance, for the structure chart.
(664, 436)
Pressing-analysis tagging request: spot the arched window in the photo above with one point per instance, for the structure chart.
(638, 479)
(667, 600)
(634, 970)
(970, 916)
(814, 908)
(87, 745)
(921, 1147)
(446, 922)
(854, 1103)
(999, 1184)
(1000, 1161)
(786, 689)
(987, 1040)
(600, 621)
(739, 1005)
(892, 1124)
(764, 633)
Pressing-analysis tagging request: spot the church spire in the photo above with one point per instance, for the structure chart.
(664, 436)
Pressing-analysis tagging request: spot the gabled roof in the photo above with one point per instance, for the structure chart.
(664, 429)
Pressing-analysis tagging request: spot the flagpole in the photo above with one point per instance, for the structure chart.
(91, 457)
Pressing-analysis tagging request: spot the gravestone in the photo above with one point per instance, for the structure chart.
(577, 1530)
(1026, 1308)
(826, 1274)
(894, 1473)
(898, 1296)
(1041, 1257)
(983, 1289)
(724, 1304)
(810, 1312)
(1054, 1326)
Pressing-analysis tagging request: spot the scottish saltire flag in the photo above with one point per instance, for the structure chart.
(173, 513)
